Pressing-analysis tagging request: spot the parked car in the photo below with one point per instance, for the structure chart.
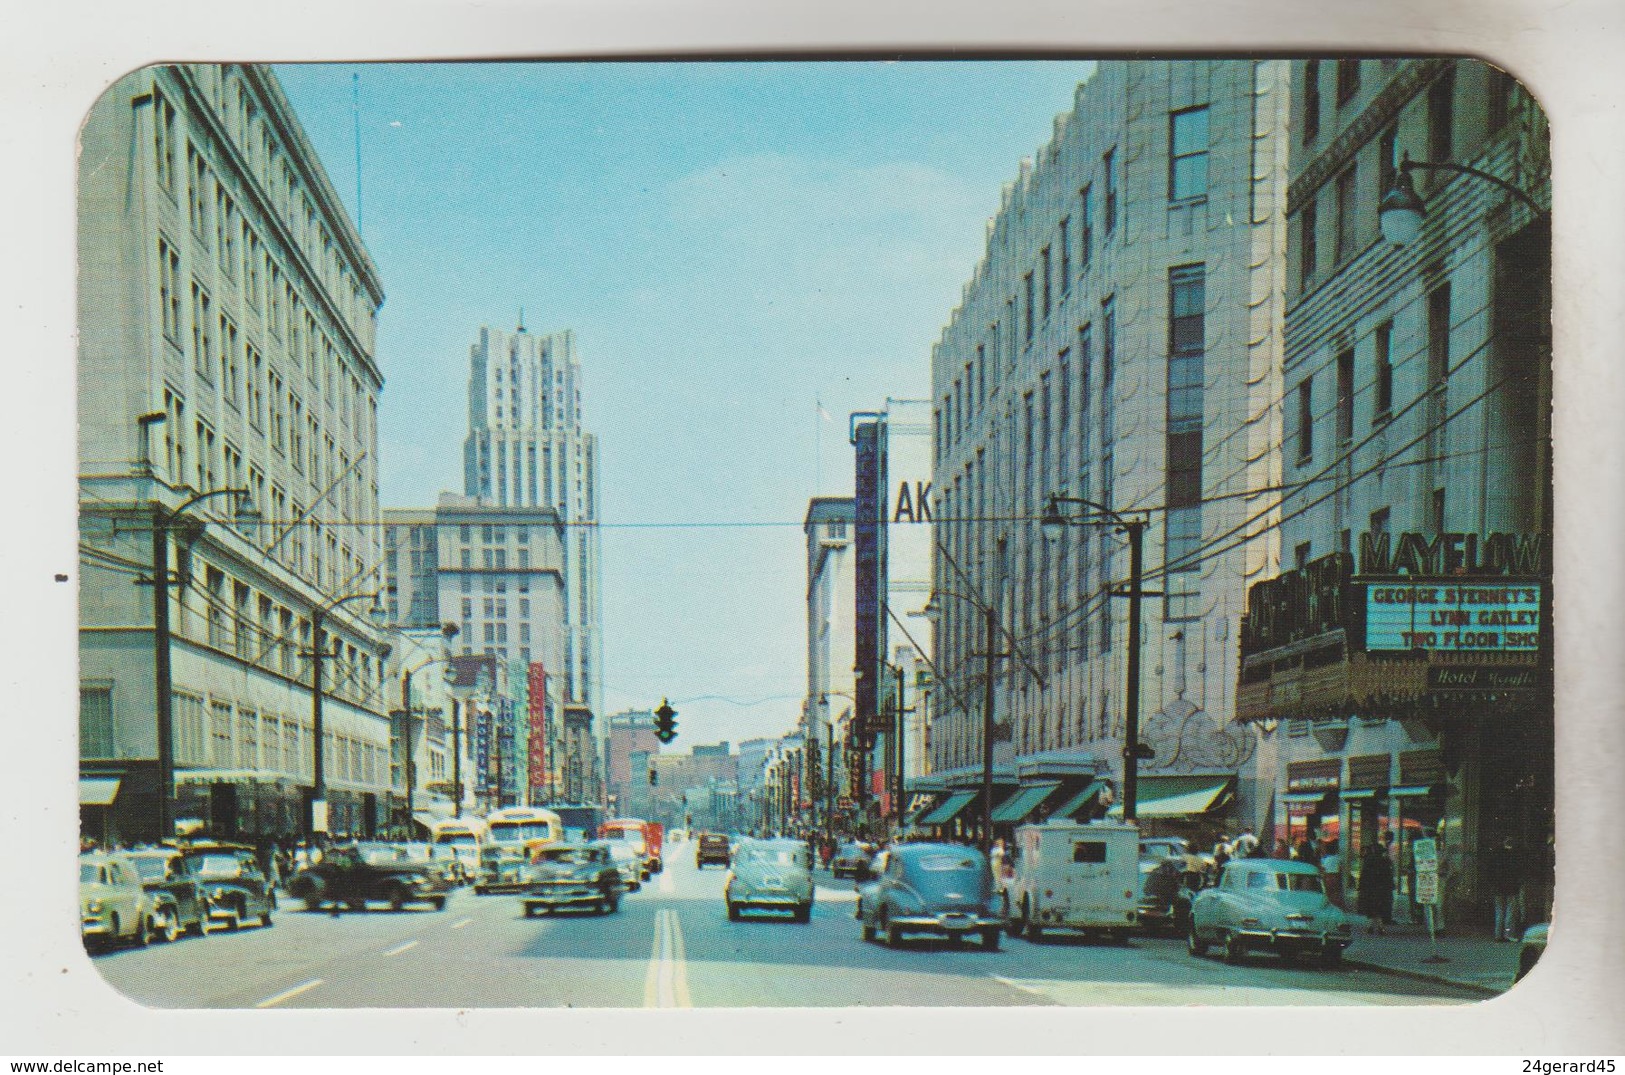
(114, 906)
(1167, 887)
(1081, 877)
(1531, 948)
(850, 859)
(943, 889)
(770, 875)
(180, 904)
(438, 858)
(573, 875)
(1268, 904)
(626, 860)
(713, 848)
(354, 876)
(234, 889)
(502, 869)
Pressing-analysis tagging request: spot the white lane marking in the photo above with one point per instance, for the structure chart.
(399, 948)
(289, 994)
(666, 983)
(460, 925)
(1013, 984)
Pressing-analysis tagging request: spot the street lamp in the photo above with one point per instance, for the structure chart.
(1401, 211)
(317, 654)
(164, 699)
(1053, 526)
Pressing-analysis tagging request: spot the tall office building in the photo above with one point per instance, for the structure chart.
(227, 320)
(1119, 342)
(527, 448)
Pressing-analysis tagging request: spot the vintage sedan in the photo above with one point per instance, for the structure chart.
(850, 859)
(502, 869)
(572, 875)
(626, 860)
(113, 904)
(770, 875)
(234, 889)
(1268, 904)
(180, 903)
(943, 889)
(711, 848)
(1167, 886)
(355, 875)
(437, 858)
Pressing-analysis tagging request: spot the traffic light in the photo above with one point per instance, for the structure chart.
(665, 722)
(654, 776)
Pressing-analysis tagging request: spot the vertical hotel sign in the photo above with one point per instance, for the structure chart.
(537, 692)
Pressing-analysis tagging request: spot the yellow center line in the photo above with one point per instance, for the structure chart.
(651, 980)
(679, 964)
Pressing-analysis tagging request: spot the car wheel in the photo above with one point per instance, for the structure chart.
(1332, 957)
(868, 933)
(1030, 928)
(529, 910)
(356, 905)
(265, 916)
(990, 940)
(1235, 949)
(733, 912)
(397, 898)
(143, 932)
(611, 904)
(313, 903)
(169, 926)
(200, 927)
(1194, 944)
(894, 935)
(804, 913)
(112, 937)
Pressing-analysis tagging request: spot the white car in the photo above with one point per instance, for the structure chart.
(113, 904)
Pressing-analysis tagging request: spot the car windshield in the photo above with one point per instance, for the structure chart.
(772, 856)
(572, 856)
(87, 873)
(215, 865)
(379, 856)
(1290, 882)
(462, 839)
(943, 873)
(150, 868)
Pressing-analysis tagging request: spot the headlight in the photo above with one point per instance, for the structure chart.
(93, 907)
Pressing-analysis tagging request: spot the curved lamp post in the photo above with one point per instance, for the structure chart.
(1401, 211)
(317, 654)
(1053, 525)
(164, 700)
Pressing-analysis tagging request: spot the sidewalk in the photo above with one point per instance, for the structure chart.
(1474, 962)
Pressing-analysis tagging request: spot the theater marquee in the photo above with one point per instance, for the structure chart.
(1476, 617)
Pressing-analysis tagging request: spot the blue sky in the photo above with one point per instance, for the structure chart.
(729, 242)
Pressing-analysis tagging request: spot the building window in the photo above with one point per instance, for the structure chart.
(1308, 253)
(1066, 255)
(163, 121)
(1108, 165)
(1186, 331)
(1027, 308)
(1044, 268)
(1441, 122)
(1348, 80)
(96, 722)
(1436, 522)
(1382, 403)
(202, 340)
(1086, 228)
(1306, 427)
(1438, 335)
(1345, 396)
(1311, 101)
(1108, 398)
(1347, 219)
(1499, 92)
(169, 291)
(1187, 154)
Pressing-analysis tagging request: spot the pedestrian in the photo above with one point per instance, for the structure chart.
(1375, 899)
(1504, 868)
(1283, 850)
(1305, 851)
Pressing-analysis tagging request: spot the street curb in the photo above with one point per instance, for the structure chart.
(1423, 976)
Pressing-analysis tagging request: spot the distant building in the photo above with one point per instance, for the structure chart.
(227, 341)
(629, 737)
(831, 642)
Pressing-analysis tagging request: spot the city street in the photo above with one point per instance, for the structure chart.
(671, 945)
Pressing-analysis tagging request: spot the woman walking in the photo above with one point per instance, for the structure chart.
(1376, 896)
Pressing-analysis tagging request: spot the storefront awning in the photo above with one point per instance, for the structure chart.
(1178, 796)
(949, 810)
(1015, 809)
(98, 791)
(919, 804)
(1304, 796)
(1081, 799)
(1410, 789)
(1360, 793)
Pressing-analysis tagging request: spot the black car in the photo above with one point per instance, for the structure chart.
(573, 875)
(711, 848)
(943, 889)
(234, 889)
(353, 876)
(179, 902)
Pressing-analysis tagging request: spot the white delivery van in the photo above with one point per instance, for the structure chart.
(1076, 877)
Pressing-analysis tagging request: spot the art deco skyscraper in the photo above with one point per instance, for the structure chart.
(527, 448)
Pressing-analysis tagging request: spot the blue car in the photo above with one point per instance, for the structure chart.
(941, 889)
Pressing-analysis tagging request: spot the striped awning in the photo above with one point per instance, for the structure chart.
(949, 810)
(1178, 796)
(1084, 798)
(98, 790)
(1016, 808)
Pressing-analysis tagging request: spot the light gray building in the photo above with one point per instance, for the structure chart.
(227, 319)
(1119, 342)
(527, 447)
(831, 640)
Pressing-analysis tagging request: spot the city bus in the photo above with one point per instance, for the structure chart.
(465, 836)
(527, 828)
(580, 822)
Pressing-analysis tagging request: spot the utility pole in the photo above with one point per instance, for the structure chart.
(1131, 721)
(990, 622)
(456, 759)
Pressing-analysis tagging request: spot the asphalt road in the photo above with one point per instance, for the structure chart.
(671, 945)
